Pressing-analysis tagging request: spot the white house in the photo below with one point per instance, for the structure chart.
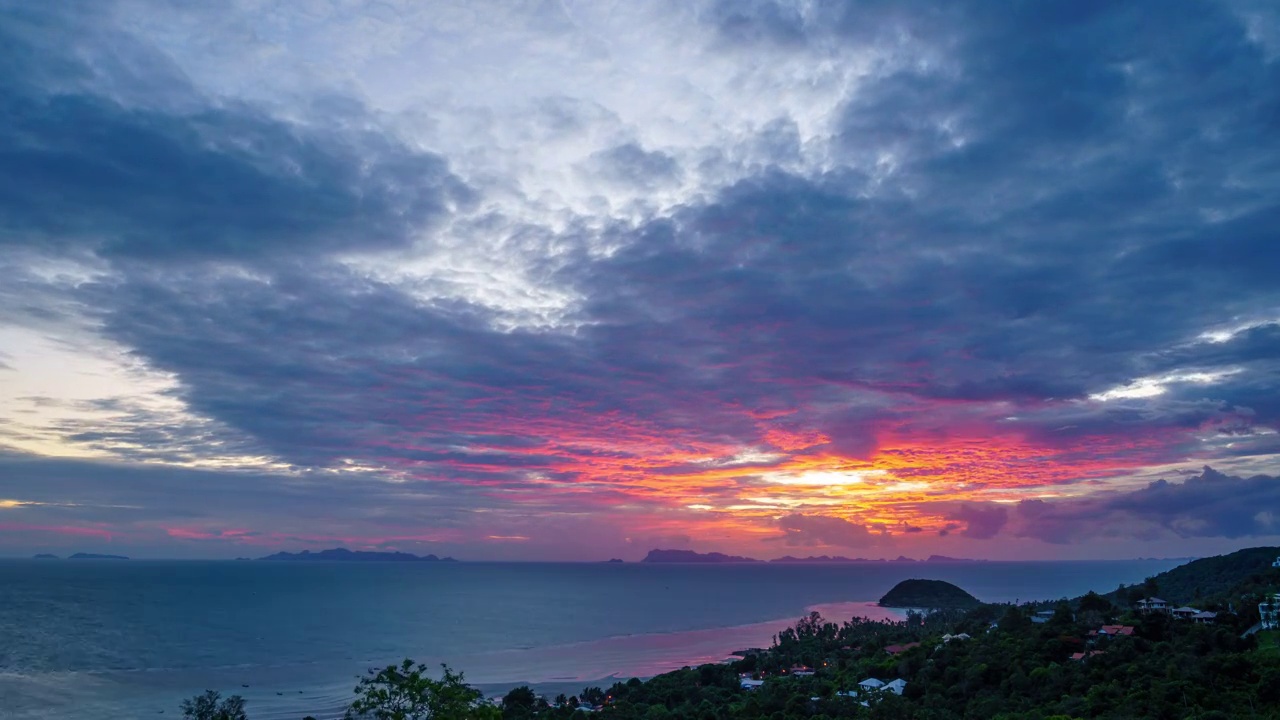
(1184, 613)
(749, 684)
(1269, 610)
(896, 687)
(870, 684)
(1153, 605)
(1276, 564)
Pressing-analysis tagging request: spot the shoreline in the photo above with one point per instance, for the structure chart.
(559, 668)
(685, 620)
(651, 654)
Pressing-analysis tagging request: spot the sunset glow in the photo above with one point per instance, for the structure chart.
(578, 283)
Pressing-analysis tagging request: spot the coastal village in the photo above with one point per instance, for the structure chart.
(1092, 628)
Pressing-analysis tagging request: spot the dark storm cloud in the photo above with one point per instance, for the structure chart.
(819, 530)
(981, 522)
(1049, 227)
(1033, 245)
(66, 491)
(324, 364)
(1207, 505)
(204, 180)
(1057, 203)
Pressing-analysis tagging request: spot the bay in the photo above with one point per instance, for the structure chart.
(131, 639)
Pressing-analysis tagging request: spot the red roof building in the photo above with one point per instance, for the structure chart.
(1082, 656)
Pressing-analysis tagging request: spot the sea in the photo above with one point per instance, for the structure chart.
(130, 639)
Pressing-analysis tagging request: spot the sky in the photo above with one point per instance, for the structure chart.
(574, 280)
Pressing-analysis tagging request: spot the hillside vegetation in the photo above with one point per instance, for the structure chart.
(1243, 574)
(928, 594)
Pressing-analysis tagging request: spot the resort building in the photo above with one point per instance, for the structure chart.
(1269, 610)
(870, 684)
(1153, 604)
(896, 687)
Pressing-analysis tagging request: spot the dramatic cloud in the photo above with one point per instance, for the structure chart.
(981, 523)
(1202, 506)
(559, 281)
(811, 530)
(204, 180)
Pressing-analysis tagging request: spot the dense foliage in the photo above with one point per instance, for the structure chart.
(408, 692)
(1232, 583)
(212, 706)
(928, 594)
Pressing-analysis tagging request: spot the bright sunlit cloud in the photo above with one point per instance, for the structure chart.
(1155, 386)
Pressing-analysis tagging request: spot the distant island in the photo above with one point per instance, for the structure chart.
(689, 556)
(45, 556)
(345, 555)
(819, 559)
(928, 594)
(613, 560)
(95, 556)
(843, 559)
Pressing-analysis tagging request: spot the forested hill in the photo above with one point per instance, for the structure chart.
(928, 594)
(1224, 577)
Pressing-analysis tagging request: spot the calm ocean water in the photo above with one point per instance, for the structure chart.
(102, 639)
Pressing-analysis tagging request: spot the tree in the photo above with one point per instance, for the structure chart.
(211, 706)
(521, 702)
(407, 692)
(1150, 587)
(1093, 602)
(592, 695)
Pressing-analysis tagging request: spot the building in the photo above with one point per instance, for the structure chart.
(1114, 631)
(896, 687)
(1153, 604)
(1276, 564)
(1082, 655)
(895, 649)
(749, 684)
(1205, 617)
(1269, 611)
(1184, 613)
(870, 684)
(1042, 616)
